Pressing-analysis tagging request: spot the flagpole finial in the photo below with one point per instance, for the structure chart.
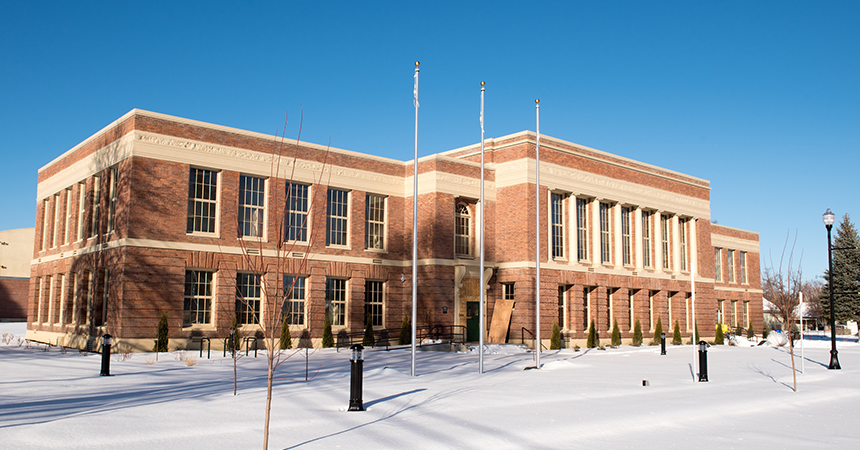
(482, 84)
(537, 100)
(417, 63)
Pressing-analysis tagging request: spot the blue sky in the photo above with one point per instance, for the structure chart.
(761, 98)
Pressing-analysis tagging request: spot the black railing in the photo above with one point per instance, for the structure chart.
(248, 341)
(208, 346)
(534, 338)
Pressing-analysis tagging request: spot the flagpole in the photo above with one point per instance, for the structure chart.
(537, 235)
(481, 240)
(415, 225)
(802, 359)
(693, 305)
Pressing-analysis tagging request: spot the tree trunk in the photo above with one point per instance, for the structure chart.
(791, 351)
(268, 400)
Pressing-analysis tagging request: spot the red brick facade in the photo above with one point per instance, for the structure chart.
(121, 278)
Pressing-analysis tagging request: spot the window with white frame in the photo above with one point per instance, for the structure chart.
(337, 217)
(48, 305)
(586, 306)
(95, 226)
(718, 264)
(742, 266)
(335, 300)
(562, 305)
(112, 198)
(202, 200)
(76, 300)
(735, 313)
(61, 311)
(557, 224)
(646, 238)
(295, 299)
(610, 311)
(582, 229)
(248, 298)
(297, 212)
(82, 208)
(688, 299)
(45, 221)
(652, 295)
(58, 219)
(463, 231)
(631, 309)
(605, 248)
(100, 310)
(682, 242)
(70, 213)
(747, 321)
(730, 266)
(721, 311)
(197, 304)
(252, 204)
(626, 247)
(664, 235)
(374, 295)
(37, 297)
(374, 222)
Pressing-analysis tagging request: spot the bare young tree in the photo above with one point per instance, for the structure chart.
(782, 286)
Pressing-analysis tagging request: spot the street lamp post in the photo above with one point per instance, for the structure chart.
(829, 218)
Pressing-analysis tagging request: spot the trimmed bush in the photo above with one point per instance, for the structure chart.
(286, 339)
(593, 339)
(327, 339)
(369, 340)
(555, 338)
(719, 339)
(658, 330)
(616, 334)
(405, 332)
(750, 332)
(161, 334)
(637, 334)
(676, 334)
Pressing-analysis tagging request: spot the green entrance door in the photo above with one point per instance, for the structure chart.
(473, 321)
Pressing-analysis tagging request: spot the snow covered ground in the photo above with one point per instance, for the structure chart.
(586, 399)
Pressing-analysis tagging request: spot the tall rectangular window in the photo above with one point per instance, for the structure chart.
(100, 306)
(605, 249)
(718, 264)
(197, 305)
(112, 198)
(735, 313)
(610, 312)
(74, 314)
(746, 314)
(586, 306)
(651, 297)
(58, 219)
(631, 309)
(682, 241)
(557, 223)
(202, 200)
(646, 238)
(664, 231)
(46, 219)
(742, 266)
(730, 266)
(67, 229)
(562, 306)
(252, 203)
(90, 294)
(687, 311)
(721, 311)
(626, 248)
(337, 217)
(297, 212)
(581, 229)
(373, 302)
(248, 297)
(50, 300)
(463, 231)
(95, 226)
(374, 226)
(82, 208)
(335, 300)
(37, 296)
(62, 314)
(670, 296)
(295, 299)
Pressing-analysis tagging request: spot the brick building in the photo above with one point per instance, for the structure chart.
(156, 214)
(16, 252)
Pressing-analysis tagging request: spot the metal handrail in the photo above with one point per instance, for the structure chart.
(208, 346)
(534, 338)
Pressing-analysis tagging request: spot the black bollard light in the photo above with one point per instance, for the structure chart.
(106, 342)
(355, 381)
(662, 343)
(703, 361)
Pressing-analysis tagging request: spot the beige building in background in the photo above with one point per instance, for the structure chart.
(16, 253)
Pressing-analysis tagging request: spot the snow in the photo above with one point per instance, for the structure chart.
(585, 399)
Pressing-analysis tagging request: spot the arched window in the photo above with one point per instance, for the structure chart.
(462, 231)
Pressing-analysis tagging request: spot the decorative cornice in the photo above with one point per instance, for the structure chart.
(730, 242)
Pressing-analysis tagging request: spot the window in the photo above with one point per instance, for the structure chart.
(557, 223)
(374, 227)
(373, 301)
(76, 300)
(651, 296)
(586, 306)
(248, 296)
(337, 222)
(721, 311)
(197, 307)
(631, 294)
(45, 221)
(62, 314)
(604, 233)
(646, 238)
(58, 219)
(671, 295)
(112, 196)
(688, 298)
(101, 300)
(735, 313)
(562, 305)
(682, 240)
(82, 208)
(90, 293)
(252, 201)
(582, 229)
(625, 237)
(664, 231)
(731, 266)
(46, 319)
(97, 200)
(297, 212)
(335, 301)
(37, 296)
(747, 321)
(67, 230)
(294, 300)
(742, 266)
(610, 312)
(462, 231)
(718, 264)
(202, 200)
